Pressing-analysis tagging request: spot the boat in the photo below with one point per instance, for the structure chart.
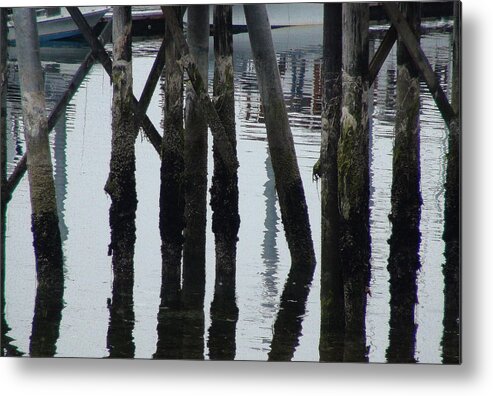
(55, 23)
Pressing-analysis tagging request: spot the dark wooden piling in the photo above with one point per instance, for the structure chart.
(452, 267)
(331, 285)
(47, 244)
(171, 202)
(188, 63)
(294, 211)
(224, 196)
(121, 187)
(195, 157)
(353, 177)
(405, 215)
(44, 218)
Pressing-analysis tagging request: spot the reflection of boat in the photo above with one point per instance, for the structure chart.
(55, 23)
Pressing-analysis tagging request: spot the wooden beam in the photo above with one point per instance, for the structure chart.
(410, 41)
(382, 53)
(187, 62)
(150, 85)
(103, 57)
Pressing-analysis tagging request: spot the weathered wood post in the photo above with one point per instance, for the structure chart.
(289, 185)
(451, 235)
(404, 241)
(224, 196)
(171, 201)
(331, 285)
(353, 176)
(121, 187)
(195, 191)
(47, 245)
(294, 211)
(195, 157)
(44, 218)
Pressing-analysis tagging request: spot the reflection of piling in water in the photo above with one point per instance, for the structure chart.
(119, 340)
(171, 201)
(169, 334)
(195, 157)
(331, 286)
(224, 196)
(404, 241)
(270, 254)
(121, 186)
(353, 176)
(44, 218)
(451, 236)
(61, 173)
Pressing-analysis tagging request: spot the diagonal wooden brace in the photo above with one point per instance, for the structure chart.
(381, 54)
(187, 62)
(103, 57)
(421, 61)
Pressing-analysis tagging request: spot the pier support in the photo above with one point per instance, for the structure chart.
(44, 218)
(121, 187)
(224, 196)
(354, 177)
(171, 201)
(331, 284)
(404, 241)
(195, 157)
(294, 211)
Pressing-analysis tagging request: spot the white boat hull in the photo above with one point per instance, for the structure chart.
(63, 27)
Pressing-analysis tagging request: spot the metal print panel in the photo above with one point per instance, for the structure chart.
(273, 182)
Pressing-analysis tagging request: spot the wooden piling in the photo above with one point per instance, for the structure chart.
(79, 76)
(47, 244)
(294, 211)
(353, 177)
(44, 218)
(171, 202)
(121, 187)
(452, 267)
(405, 215)
(188, 63)
(331, 285)
(195, 157)
(224, 195)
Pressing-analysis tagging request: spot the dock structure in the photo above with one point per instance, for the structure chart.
(182, 147)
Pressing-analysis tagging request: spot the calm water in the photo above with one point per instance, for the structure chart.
(81, 146)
